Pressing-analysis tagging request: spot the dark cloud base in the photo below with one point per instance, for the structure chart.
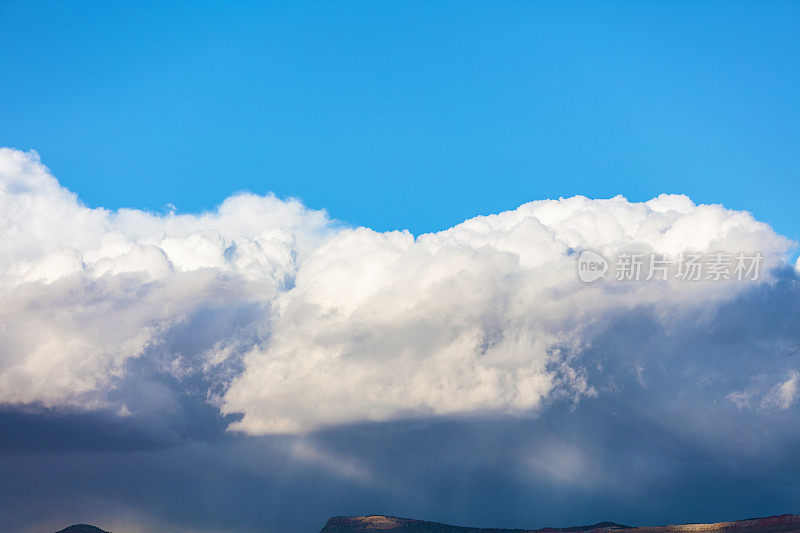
(455, 471)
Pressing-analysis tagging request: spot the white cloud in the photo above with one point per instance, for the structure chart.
(781, 395)
(482, 316)
(86, 290)
(356, 325)
(784, 394)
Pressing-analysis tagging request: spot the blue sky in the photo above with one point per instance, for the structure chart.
(408, 115)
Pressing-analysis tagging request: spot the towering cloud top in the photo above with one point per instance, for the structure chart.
(294, 321)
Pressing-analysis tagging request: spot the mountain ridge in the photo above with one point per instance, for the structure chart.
(394, 524)
(784, 523)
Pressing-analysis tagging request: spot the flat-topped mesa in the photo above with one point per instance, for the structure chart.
(393, 524)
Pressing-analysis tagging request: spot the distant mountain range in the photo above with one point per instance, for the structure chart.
(394, 524)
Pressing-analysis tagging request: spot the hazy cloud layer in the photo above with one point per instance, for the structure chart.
(291, 322)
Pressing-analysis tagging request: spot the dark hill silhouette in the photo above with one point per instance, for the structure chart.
(82, 528)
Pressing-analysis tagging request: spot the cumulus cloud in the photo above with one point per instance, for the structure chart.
(313, 323)
(86, 290)
(486, 316)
